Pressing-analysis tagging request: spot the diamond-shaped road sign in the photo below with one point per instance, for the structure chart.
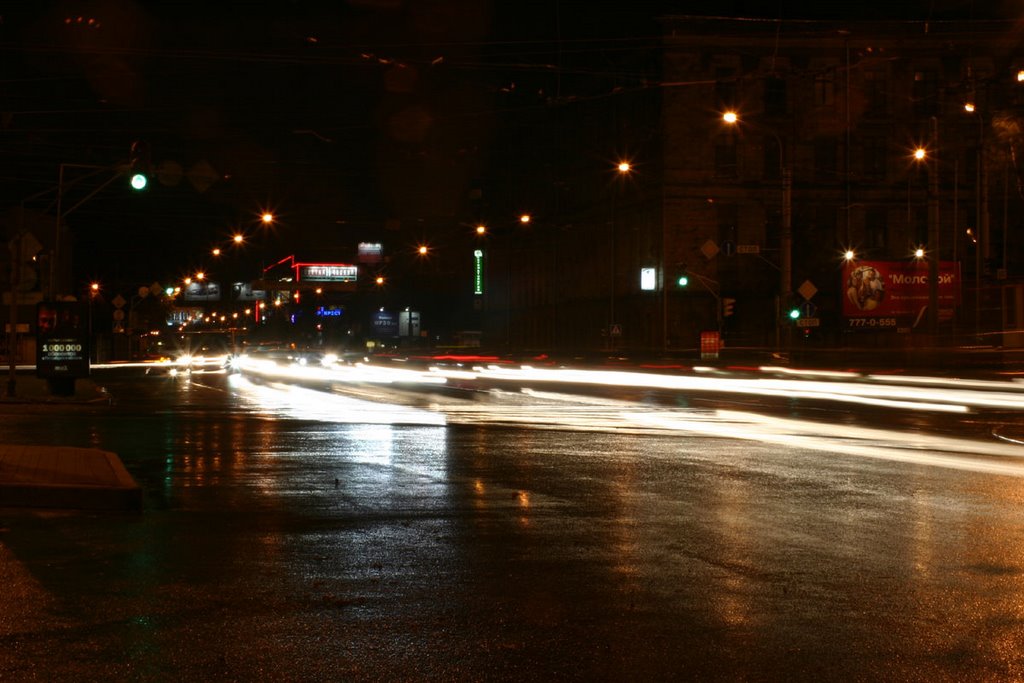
(807, 289)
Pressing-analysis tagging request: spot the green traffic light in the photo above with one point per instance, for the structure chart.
(683, 281)
(139, 181)
(794, 313)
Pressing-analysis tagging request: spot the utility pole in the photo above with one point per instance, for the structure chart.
(933, 235)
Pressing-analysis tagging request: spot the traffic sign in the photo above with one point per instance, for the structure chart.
(616, 330)
(808, 322)
(748, 248)
(807, 289)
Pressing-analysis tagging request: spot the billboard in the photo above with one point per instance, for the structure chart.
(370, 252)
(202, 291)
(385, 324)
(325, 272)
(894, 294)
(62, 340)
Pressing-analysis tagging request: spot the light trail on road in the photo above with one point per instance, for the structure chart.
(545, 409)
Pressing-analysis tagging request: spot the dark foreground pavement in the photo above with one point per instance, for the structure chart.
(62, 476)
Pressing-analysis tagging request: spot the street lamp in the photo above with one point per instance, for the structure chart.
(931, 159)
(623, 169)
(786, 235)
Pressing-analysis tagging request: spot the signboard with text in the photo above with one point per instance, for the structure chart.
(879, 295)
(62, 340)
(370, 252)
(385, 324)
(325, 272)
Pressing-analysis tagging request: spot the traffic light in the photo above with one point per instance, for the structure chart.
(727, 306)
(683, 281)
(794, 313)
(138, 166)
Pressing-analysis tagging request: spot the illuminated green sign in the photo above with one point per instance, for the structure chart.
(478, 272)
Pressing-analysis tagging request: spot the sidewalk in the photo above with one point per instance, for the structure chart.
(31, 389)
(62, 477)
(65, 477)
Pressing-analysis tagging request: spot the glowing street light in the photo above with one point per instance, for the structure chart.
(731, 118)
(422, 250)
(481, 229)
(919, 253)
(238, 238)
(267, 218)
(849, 255)
(920, 154)
(216, 251)
(525, 218)
(624, 167)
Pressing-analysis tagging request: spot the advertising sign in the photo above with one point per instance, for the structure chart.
(243, 291)
(385, 324)
(880, 295)
(370, 252)
(62, 345)
(409, 323)
(325, 272)
(202, 291)
(478, 272)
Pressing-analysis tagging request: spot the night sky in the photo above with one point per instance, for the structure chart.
(360, 120)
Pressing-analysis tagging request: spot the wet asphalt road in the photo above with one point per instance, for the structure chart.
(478, 547)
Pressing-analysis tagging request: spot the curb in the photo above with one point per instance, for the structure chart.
(66, 477)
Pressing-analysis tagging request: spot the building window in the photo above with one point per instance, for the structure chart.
(876, 96)
(876, 156)
(825, 89)
(826, 159)
(924, 94)
(728, 217)
(774, 96)
(725, 88)
(772, 158)
(876, 229)
(725, 157)
(773, 229)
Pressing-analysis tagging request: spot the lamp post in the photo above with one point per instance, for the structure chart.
(932, 161)
(623, 169)
(786, 233)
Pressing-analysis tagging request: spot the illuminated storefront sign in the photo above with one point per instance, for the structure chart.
(880, 295)
(330, 311)
(325, 272)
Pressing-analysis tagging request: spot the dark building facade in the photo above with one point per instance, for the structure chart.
(758, 214)
(835, 112)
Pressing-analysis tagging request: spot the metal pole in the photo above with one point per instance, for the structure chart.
(55, 261)
(12, 336)
(611, 279)
(786, 242)
(977, 231)
(933, 236)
